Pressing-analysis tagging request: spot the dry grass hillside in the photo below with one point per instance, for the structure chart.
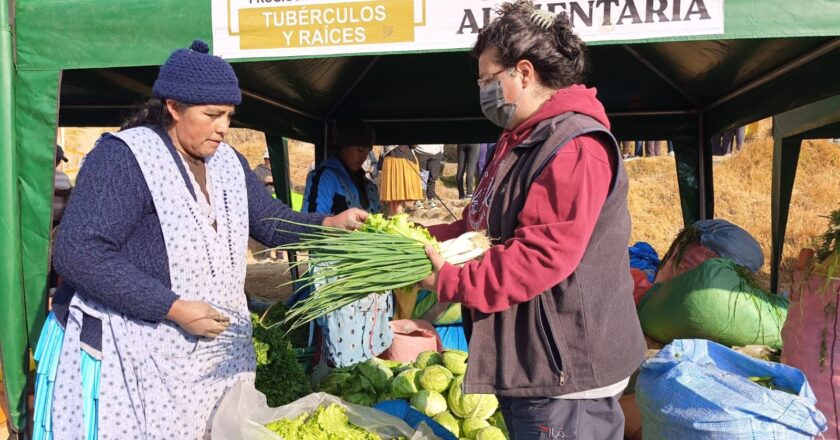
(742, 188)
(742, 196)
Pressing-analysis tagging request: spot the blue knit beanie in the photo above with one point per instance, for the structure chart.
(193, 76)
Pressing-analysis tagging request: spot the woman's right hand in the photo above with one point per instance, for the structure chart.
(198, 318)
(350, 219)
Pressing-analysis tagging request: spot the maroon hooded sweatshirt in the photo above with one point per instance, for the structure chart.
(555, 225)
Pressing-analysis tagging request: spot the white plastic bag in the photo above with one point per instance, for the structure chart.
(244, 411)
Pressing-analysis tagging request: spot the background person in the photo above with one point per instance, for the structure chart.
(340, 182)
(63, 187)
(399, 178)
(263, 172)
(361, 330)
(465, 174)
(430, 162)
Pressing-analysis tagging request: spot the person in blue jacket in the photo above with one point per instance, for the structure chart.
(340, 181)
(360, 330)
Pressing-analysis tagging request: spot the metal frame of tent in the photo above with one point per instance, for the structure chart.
(818, 120)
(83, 62)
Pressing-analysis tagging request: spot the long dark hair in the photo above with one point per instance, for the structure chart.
(557, 53)
(152, 112)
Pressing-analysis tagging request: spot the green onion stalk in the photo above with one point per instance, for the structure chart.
(382, 255)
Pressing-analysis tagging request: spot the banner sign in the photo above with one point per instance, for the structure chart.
(291, 28)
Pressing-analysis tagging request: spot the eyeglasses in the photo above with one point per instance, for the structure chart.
(485, 81)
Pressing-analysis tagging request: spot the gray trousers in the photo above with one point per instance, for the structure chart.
(547, 418)
(432, 164)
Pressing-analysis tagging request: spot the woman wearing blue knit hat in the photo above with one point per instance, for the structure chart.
(151, 326)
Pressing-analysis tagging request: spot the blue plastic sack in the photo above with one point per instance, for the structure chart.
(402, 410)
(698, 389)
(452, 337)
(731, 241)
(644, 257)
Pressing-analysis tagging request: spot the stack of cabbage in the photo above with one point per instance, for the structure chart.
(433, 385)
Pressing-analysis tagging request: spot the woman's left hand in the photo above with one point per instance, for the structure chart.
(430, 282)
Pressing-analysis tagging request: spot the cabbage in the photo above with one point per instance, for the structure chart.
(490, 433)
(427, 359)
(406, 383)
(430, 403)
(455, 361)
(359, 383)
(449, 422)
(498, 420)
(377, 373)
(471, 426)
(360, 398)
(435, 378)
(335, 382)
(394, 366)
(480, 406)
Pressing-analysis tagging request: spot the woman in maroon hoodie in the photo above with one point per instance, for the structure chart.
(549, 311)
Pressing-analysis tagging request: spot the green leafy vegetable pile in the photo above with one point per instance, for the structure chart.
(432, 384)
(767, 382)
(326, 423)
(279, 375)
(365, 383)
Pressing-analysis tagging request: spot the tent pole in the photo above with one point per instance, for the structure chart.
(701, 167)
(321, 149)
(13, 347)
(278, 148)
(785, 161)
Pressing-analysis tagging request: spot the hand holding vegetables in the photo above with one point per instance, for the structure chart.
(384, 254)
(457, 251)
(350, 219)
(430, 282)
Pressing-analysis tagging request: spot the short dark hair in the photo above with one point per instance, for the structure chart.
(557, 53)
(351, 132)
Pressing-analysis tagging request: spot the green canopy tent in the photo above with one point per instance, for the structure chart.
(85, 62)
(818, 120)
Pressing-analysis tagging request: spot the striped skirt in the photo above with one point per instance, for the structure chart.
(399, 180)
(46, 355)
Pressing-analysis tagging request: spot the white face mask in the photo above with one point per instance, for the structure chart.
(493, 104)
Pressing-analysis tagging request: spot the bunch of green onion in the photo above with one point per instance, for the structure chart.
(384, 254)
